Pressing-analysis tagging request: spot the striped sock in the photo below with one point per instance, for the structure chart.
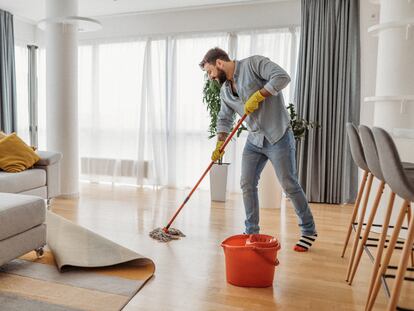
(305, 242)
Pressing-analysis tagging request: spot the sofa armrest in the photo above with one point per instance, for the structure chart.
(50, 162)
(48, 158)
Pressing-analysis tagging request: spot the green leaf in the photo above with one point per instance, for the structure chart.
(211, 98)
(299, 126)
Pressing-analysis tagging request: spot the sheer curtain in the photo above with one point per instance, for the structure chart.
(156, 111)
(189, 147)
(111, 112)
(280, 46)
(141, 116)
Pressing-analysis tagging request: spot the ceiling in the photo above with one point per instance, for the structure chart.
(34, 10)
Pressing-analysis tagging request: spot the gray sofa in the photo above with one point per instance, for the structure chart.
(22, 227)
(42, 180)
(23, 207)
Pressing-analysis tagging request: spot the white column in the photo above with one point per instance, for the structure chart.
(394, 95)
(62, 92)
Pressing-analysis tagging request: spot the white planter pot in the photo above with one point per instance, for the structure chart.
(218, 182)
(270, 191)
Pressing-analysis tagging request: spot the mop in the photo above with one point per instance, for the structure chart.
(167, 234)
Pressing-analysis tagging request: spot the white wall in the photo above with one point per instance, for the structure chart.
(264, 15)
(24, 31)
(241, 17)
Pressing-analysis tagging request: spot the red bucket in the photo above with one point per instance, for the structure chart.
(251, 259)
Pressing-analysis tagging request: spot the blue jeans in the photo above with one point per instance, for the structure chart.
(283, 158)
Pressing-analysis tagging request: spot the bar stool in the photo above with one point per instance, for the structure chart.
(359, 158)
(371, 155)
(401, 181)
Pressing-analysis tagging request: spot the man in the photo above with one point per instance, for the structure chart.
(253, 86)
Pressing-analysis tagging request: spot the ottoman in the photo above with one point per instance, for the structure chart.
(22, 227)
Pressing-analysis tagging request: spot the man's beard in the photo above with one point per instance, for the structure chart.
(221, 76)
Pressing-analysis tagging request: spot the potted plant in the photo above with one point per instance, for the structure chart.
(219, 171)
(299, 126)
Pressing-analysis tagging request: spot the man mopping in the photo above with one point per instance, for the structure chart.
(253, 86)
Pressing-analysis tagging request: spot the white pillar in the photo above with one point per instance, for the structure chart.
(394, 107)
(62, 91)
(394, 95)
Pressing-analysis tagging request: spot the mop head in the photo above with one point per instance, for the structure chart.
(164, 235)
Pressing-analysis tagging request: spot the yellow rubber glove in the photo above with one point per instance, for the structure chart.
(253, 102)
(216, 153)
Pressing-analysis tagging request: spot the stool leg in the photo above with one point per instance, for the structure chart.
(355, 211)
(409, 215)
(366, 231)
(359, 227)
(402, 265)
(381, 243)
(387, 257)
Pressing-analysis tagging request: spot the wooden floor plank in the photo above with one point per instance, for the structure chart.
(190, 273)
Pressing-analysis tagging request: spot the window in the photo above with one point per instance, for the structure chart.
(279, 45)
(141, 115)
(22, 92)
(110, 97)
(190, 147)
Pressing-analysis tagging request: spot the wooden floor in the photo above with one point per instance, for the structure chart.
(190, 273)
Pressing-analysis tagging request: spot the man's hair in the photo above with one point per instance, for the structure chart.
(212, 55)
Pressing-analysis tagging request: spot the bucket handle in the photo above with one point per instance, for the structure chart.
(273, 263)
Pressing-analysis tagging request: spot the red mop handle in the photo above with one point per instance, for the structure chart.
(206, 171)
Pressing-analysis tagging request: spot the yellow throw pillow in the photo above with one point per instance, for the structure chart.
(2, 135)
(15, 155)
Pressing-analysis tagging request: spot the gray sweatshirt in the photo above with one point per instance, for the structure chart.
(271, 120)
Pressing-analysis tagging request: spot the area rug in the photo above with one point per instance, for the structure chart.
(73, 245)
(82, 271)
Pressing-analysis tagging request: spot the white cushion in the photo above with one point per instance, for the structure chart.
(23, 181)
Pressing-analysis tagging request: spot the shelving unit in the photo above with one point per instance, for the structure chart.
(408, 24)
(403, 98)
(395, 67)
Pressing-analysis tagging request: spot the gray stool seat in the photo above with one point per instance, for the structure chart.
(370, 151)
(395, 174)
(355, 144)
